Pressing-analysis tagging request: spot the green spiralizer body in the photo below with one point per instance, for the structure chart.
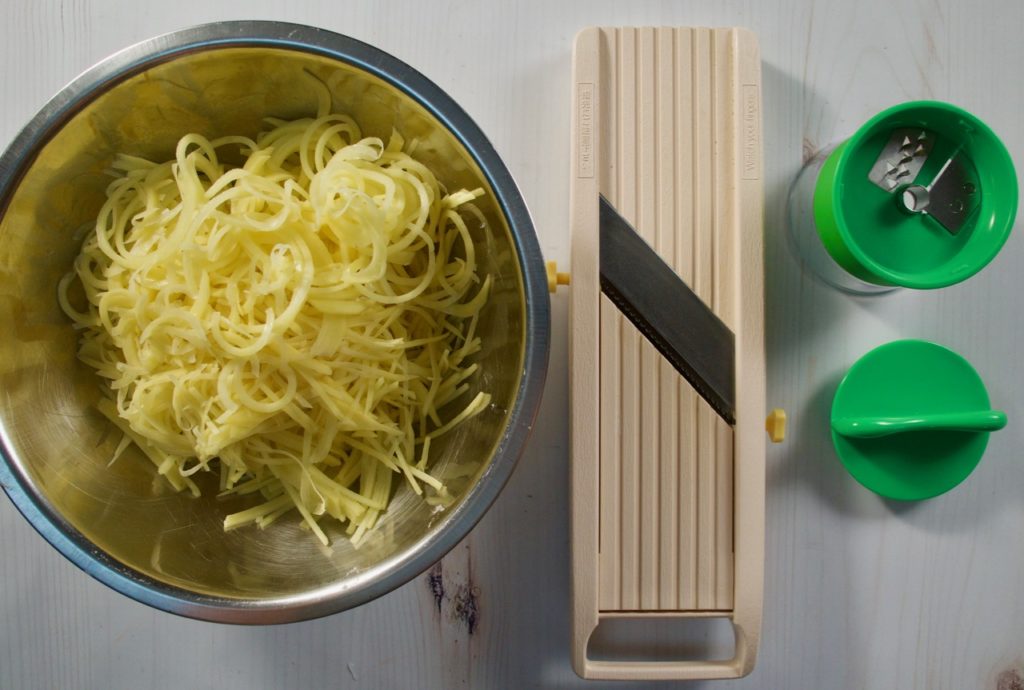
(911, 420)
(923, 196)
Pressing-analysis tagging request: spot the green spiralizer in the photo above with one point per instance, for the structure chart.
(911, 420)
(923, 196)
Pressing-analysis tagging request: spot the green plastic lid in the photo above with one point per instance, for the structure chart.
(910, 420)
(876, 232)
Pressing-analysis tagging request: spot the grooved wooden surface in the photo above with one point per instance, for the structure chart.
(666, 124)
(859, 593)
(668, 112)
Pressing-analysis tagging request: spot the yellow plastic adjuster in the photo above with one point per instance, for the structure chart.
(554, 277)
(775, 425)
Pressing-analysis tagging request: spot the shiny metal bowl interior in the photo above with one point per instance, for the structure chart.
(123, 524)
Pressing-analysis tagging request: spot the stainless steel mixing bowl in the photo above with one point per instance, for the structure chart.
(123, 524)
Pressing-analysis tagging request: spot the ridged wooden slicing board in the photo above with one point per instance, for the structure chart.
(668, 499)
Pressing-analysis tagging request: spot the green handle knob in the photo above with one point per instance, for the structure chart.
(872, 427)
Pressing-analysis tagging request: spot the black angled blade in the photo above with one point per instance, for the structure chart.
(669, 314)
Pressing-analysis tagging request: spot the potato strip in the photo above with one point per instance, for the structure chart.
(294, 323)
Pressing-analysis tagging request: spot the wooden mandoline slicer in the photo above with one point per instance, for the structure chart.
(667, 497)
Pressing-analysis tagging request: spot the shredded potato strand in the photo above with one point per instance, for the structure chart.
(296, 323)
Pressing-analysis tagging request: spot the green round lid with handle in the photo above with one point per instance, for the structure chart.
(911, 419)
(924, 195)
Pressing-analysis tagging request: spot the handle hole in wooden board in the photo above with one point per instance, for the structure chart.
(655, 639)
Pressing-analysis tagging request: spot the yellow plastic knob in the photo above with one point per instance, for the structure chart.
(775, 425)
(554, 277)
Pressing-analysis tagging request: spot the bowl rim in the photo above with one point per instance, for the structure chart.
(399, 568)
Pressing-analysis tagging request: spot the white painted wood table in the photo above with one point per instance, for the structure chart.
(860, 593)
